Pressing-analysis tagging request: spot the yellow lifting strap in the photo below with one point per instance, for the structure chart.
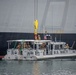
(36, 24)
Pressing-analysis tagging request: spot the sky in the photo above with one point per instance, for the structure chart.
(54, 16)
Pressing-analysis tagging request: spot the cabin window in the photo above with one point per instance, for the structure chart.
(42, 46)
(51, 47)
(13, 45)
(61, 46)
(27, 45)
(20, 45)
(57, 47)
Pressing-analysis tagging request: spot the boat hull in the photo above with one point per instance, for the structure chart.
(44, 57)
(61, 56)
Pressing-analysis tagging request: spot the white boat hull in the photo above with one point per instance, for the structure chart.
(56, 56)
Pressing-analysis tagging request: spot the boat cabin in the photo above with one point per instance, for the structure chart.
(35, 47)
(28, 47)
(58, 47)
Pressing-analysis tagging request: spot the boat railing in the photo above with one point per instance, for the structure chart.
(64, 51)
(72, 51)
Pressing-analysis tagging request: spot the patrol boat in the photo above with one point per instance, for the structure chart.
(37, 50)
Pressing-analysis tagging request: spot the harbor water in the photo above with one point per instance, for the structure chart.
(44, 67)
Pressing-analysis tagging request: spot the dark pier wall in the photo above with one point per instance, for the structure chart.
(4, 36)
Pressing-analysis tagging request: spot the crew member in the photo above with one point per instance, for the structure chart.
(19, 48)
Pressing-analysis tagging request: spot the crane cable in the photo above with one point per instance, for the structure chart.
(35, 19)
